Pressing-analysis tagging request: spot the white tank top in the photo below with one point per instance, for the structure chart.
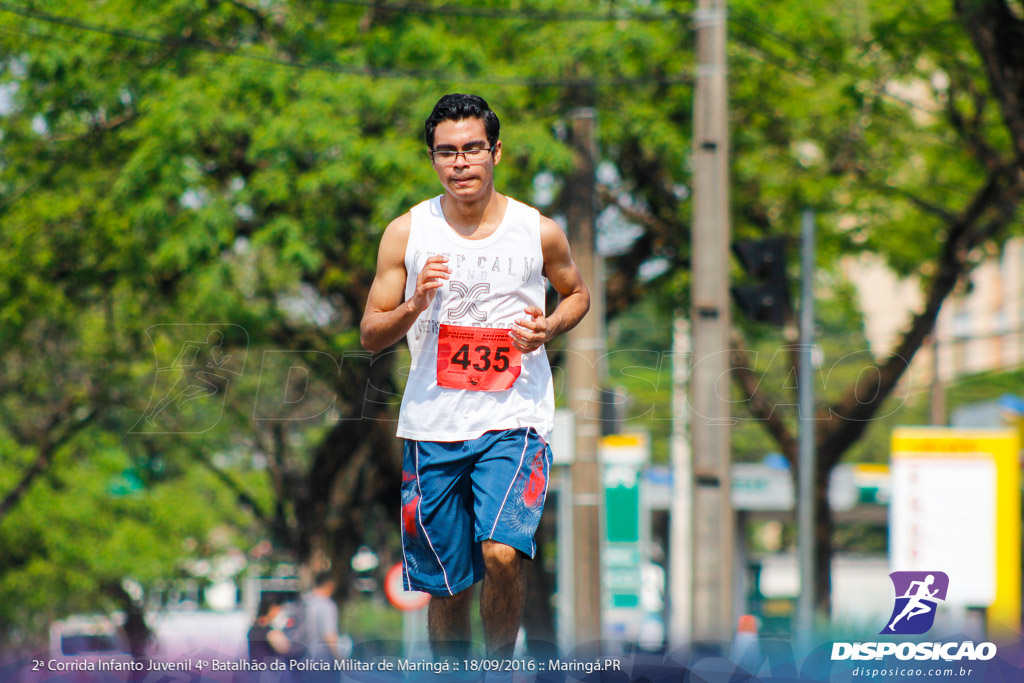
(492, 281)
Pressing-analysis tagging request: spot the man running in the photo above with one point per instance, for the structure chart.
(915, 605)
(463, 277)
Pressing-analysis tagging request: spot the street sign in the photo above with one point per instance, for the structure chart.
(761, 487)
(394, 589)
(623, 456)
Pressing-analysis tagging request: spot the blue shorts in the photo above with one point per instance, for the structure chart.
(456, 494)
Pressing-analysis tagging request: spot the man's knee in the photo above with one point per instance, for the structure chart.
(451, 603)
(501, 557)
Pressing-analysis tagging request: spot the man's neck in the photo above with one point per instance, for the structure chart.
(476, 218)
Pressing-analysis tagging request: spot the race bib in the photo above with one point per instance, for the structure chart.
(476, 358)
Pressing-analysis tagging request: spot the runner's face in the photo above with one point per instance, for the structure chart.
(461, 179)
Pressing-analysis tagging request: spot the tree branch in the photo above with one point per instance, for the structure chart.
(927, 207)
(624, 285)
(760, 405)
(998, 35)
(43, 461)
(240, 493)
(862, 401)
(969, 131)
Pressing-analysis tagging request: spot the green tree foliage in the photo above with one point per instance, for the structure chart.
(100, 518)
(915, 170)
(203, 164)
(231, 163)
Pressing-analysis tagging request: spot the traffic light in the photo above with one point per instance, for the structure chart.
(764, 260)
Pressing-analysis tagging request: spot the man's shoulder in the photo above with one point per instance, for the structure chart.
(400, 225)
(427, 207)
(552, 235)
(547, 224)
(529, 208)
(403, 223)
(521, 205)
(395, 238)
(322, 601)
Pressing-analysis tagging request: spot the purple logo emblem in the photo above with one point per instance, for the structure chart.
(917, 594)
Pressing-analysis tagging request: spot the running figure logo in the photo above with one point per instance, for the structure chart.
(190, 387)
(917, 594)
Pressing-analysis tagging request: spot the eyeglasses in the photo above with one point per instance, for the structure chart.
(447, 157)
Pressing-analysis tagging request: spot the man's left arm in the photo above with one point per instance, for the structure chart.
(536, 328)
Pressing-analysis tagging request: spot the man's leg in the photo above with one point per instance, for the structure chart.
(920, 609)
(501, 599)
(437, 540)
(448, 625)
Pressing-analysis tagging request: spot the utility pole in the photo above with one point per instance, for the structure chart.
(713, 523)
(805, 458)
(680, 626)
(586, 346)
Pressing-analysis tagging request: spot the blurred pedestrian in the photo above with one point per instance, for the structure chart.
(267, 640)
(318, 628)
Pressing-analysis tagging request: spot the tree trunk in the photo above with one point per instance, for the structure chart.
(136, 630)
(355, 475)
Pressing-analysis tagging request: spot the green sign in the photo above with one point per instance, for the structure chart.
(622, 535)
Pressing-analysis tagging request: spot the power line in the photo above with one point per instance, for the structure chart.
(744, 19)
(202, 45)
(545, 16)
(333, 67)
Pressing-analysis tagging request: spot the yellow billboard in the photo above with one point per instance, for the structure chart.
(956, 508)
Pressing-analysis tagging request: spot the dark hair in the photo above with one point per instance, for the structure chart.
(456, 107)
(267, 602)
(322, 579)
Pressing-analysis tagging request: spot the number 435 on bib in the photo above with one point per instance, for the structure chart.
(476, 358)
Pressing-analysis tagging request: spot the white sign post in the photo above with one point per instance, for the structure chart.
(414, 614)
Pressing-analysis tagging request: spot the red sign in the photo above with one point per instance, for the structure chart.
(394, 588)
(476, 358)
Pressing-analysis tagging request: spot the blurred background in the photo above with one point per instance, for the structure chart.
(191, 198)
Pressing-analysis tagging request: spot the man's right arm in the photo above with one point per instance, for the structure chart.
(388, 316)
